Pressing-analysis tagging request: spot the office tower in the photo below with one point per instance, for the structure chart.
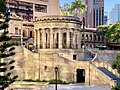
(114, 15)
(94, 15)
(106, 18)
(29, 9)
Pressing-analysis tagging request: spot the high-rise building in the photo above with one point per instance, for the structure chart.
(105, 18)
(114, 15)
(94, 15)
(29, 9)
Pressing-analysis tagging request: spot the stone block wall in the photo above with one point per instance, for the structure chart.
(41, 66)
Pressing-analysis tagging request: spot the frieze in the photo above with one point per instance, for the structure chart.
(60, 25)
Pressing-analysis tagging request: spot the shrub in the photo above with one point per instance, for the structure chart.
(116, 63)
(45, 81)
(53, 81)
(37, 80)
(29, 80)
(117, 87)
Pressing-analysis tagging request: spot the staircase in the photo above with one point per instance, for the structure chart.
(87, 57)
(109, 74)
(102, 67)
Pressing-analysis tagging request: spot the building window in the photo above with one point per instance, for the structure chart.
(44, 0)
(45, 68)
(41, 8)
(31, 34)
(16, 30)
(74, 57)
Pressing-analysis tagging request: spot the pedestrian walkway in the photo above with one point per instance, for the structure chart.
(71, 87)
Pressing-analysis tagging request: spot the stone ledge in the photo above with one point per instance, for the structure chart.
(30, 85)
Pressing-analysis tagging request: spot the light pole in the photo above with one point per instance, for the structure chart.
(56, 72)
(89, 72)
(21, 27)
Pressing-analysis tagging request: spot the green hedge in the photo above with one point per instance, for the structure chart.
(52, 81)
(117, 87)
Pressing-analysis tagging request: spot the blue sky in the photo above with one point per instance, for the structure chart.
(109, 4)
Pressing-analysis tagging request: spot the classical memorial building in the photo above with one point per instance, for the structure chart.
(57, 43)
(58, 33)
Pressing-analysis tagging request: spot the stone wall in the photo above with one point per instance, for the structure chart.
(41, 66)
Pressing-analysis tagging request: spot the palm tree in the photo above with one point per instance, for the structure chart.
(66, 9)
(78, 5)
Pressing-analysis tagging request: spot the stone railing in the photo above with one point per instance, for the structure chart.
(107, 66)
(92, 54)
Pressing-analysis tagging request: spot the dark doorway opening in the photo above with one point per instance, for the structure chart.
(30, 33)
(80, 75)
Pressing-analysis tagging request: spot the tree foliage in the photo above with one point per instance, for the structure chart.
(110, 32)
(78, 6)
(70, 9)
(66, 10)
(6, 49)
(103, 30)
(116, 63)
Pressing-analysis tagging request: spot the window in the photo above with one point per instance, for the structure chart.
(16, 30)
(44, 0)
(31, 34)
(74, 57)
(41, 8)
(45, 68)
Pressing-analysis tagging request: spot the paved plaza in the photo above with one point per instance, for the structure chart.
(72, 87)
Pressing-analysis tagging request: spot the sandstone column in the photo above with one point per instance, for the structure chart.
(44, 38)
(60, 39)
(38, 40)
(35, 38)
(79, 39)
(48, 40)
(51, 38)
(74, 43)
(68, 39)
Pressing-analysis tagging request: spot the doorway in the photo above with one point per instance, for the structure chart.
(30, 34)
(80, 75)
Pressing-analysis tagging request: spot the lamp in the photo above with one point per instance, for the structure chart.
(56, 72)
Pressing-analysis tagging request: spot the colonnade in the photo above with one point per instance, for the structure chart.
(57, 38)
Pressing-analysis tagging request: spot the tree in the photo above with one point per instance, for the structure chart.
(115, 32)
(66, 10)
(110, 32)
(104, 31)
(116, 63)
(6, 49)
(78, 6)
